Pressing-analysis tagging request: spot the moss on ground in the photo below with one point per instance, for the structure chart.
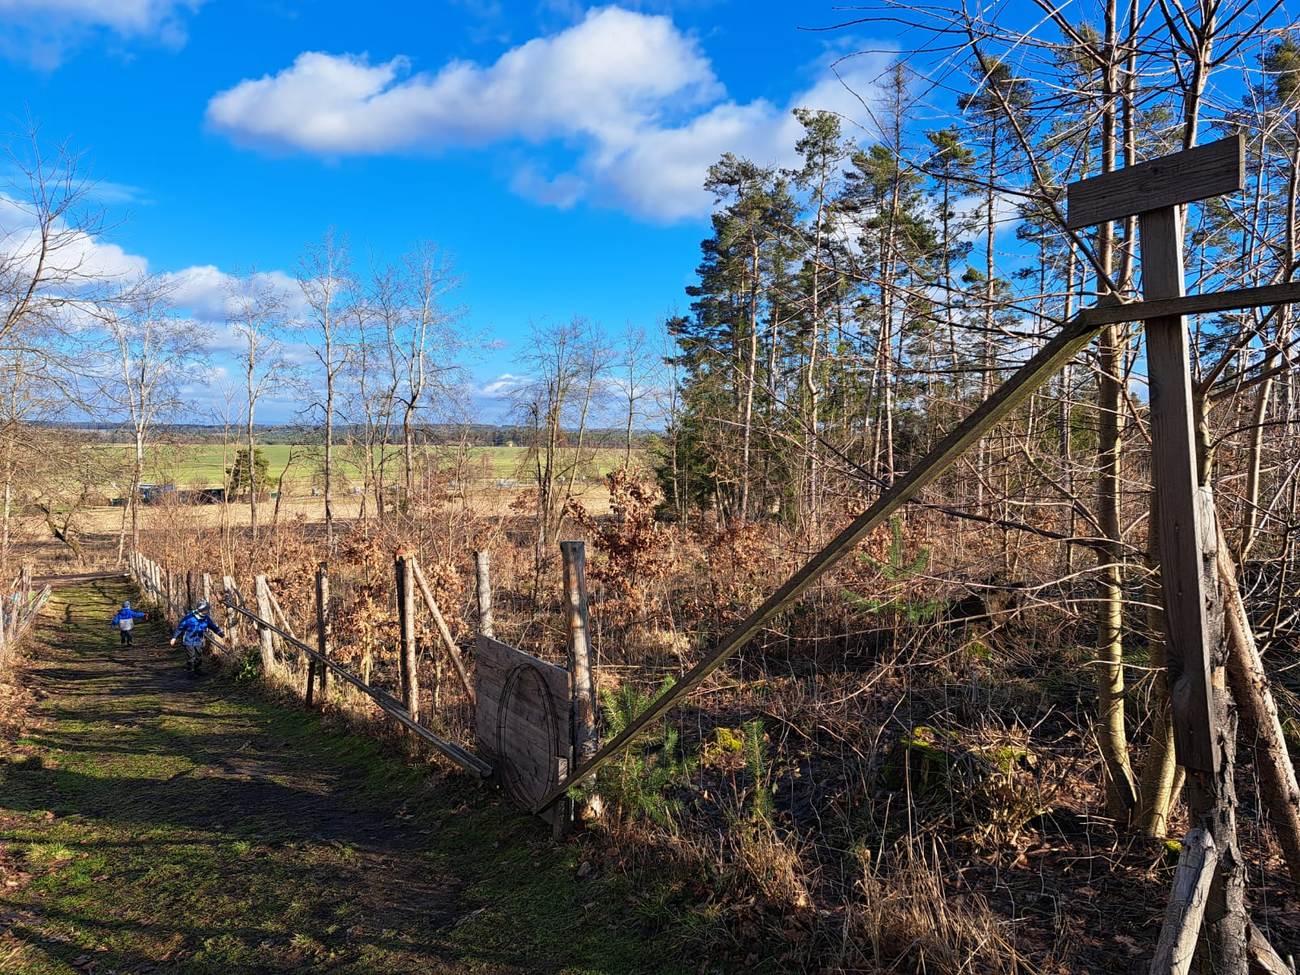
(149, 822)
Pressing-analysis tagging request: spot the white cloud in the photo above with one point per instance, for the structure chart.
(502, 386)
(42, 31)
(604, 76)
(206, 291)
(633, 95)
(76, 257)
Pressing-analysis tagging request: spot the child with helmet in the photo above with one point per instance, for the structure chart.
(192, 630)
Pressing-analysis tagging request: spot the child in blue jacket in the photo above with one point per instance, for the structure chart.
(192, 631)
(125, 622)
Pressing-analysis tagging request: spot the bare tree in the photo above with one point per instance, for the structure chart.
(568, 367)
(637, 372)
(256, 313)
(153, 349)
(429, 281)
(325, 277)
(47, 238)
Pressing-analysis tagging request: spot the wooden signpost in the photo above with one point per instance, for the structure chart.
(1186, 537)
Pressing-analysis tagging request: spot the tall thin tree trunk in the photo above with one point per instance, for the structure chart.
(1112, 735)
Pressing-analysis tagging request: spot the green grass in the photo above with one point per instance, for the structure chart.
(204, 465)
(197, 828)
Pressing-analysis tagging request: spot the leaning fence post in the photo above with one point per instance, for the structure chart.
(406, 627)
(322, 627)
(581, 685)
(441, 623)
(262, 590)
(484, 594)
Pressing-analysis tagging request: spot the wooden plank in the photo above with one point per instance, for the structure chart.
(1045, 363)
(501, 657)
(495, 663)
(1181, 533)
(523, 720)
(1262, 296)
(1181, 177)
(1187, 902)
(531, 711)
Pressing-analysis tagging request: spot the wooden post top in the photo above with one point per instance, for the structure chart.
(1193, 174)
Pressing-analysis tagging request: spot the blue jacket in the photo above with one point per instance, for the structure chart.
(124, 614)
(192, 628)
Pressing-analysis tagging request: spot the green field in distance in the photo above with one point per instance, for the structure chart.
(204, 465)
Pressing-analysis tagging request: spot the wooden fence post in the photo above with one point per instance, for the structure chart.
(323, 624)
(585, 741)
(582, 692)
(189, 590)
(484, 591)
(205, 588)
(262, 592)
(406, 628)
(232, 618)
(1187, 541)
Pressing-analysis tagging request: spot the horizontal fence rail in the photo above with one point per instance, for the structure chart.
(388, 704)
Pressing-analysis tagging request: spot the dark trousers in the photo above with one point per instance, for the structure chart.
(126, 637)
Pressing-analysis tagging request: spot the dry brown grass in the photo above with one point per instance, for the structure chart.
(909, 920)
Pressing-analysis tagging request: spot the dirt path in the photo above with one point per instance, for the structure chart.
(150, 822)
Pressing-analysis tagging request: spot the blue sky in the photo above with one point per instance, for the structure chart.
(554, 149)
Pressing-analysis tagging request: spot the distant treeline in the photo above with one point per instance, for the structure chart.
(474, 434)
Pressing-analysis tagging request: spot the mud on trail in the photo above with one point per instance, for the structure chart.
(153, 822)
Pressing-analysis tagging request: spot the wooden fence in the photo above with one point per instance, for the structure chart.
(19, 610)
(530, 717)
